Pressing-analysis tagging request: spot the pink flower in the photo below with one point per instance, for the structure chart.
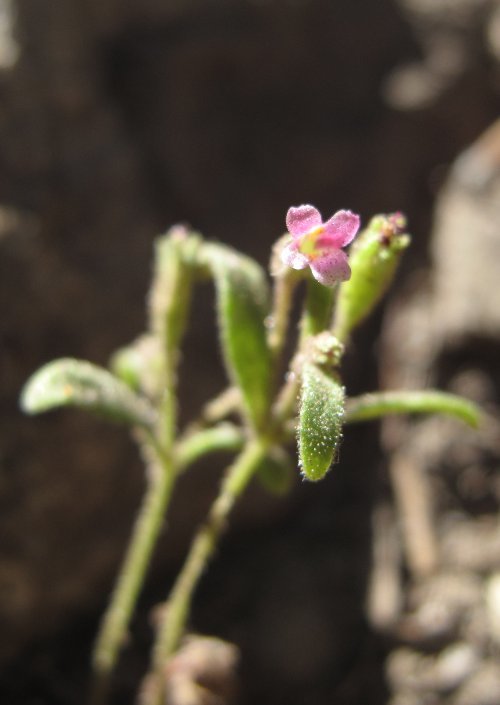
(318, 244)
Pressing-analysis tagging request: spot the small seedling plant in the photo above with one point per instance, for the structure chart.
(274, 400)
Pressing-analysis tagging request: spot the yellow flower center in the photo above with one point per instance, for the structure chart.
(308, 242)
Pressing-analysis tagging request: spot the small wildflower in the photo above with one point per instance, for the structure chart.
(318, 245)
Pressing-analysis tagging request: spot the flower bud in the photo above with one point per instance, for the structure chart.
(373, 259)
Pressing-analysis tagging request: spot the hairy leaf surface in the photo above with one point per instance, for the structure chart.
(70, 382)
(320, 421)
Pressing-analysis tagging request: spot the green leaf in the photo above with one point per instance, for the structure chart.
(225, 437)
(376, 405)
(275, 473)
(373, 259)
(140, 365)
(320, 420)
(69, 382)
(170, 295)
(169, 304)
(242, 306)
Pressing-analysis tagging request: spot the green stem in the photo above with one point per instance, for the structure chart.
(237, 478)
(167, 420)
(280, 316)
(316, 317)
(226, 437)
(131, 577)
(376, 405)
(286, 403)
(169, 303)
(226, 403)
(318, 308)
(148, 525)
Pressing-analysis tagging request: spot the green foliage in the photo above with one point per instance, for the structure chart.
(224, 437)
(373, 406)
(373, 259)
(320, 420)
(170, 295)
(144, 394)
(169, 304)
(140, 365)
(69, 382)
(275, 472)
(242, 306)
(318, 308)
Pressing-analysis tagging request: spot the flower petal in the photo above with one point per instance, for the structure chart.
(301, 219)
(331, 268)
(341, 228)
(291, 256)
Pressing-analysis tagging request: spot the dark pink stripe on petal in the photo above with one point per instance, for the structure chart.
(342, 227)
(301, 219)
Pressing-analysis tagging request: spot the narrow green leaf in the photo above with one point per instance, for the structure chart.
(140, 365)
(242, 305)
(169, 305)
(376, 405)
(225, 437)
(373, 258)
(125, 364)
(320, 421)
(275, 473)
(69, 382)
(170, 295)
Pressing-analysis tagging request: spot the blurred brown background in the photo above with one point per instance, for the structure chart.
(121, 117)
